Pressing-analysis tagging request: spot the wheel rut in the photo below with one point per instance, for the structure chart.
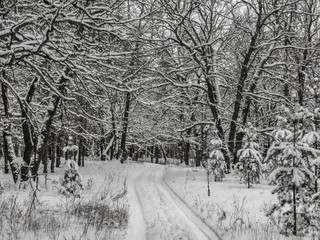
(159, 213)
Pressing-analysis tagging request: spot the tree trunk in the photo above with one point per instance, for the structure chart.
(240, 86)
(123, 152)
(45, 160)
(198, 157)
(164, 154)
(83, 154)
(181, 152)
(6, 163)
(59, 152)
(74, 153)
(303, 64)
(152, 153)
(157, 154)
(215, 113)
(131, 151)
(28, 133)
(102, 146)
(45, 133)
(136, 155)
(114, 133)
(8, 150)
(294, 189)
(66, 154)
(53, 151)
(80, 151)
(238, 101)
(9, 153)
(186, 153)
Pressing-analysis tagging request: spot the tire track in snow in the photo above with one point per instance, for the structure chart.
(137, 227)
(191, 214)
(159, 223)
(164, 214)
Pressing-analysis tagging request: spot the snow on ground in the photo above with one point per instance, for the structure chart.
(233, 210)
(138, 201)
(157, 213)
(101, 212)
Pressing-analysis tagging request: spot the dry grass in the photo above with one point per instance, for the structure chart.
(99, 215)
(236, 223)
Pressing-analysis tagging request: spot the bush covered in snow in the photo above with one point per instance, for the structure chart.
(71, 183)
(216, 163)
(292, 152)
(249, 164)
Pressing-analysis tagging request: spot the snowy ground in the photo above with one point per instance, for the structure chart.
(139, 201)
(158, 213)
(170, 202)
(101, 212)
(232, 210)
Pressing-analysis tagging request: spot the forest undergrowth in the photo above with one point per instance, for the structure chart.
(236, 222)
(101, 211)
(232, 210)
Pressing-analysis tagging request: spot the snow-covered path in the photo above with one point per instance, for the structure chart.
(158, 213)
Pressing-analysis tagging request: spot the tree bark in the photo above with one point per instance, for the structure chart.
(123, 152)
(102, 147)
(59, 152)
(181, 151)
(45, 133)
(246, 109)
(164, 154)
(53, 152)
(28, 133)
(186, 152)
(198, 157)
(114, 132)
(152, 153)
(83, 154)
(80, 151)
(8, 149)
(6, 163)
(45, 160)
(240, 87)
(74, 153)
(215, 113)
(157, 154)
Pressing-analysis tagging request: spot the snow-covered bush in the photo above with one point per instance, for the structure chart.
(215, 164)
(70, 149)
(249, 164)
(312, 138)
(71, 183)
(216, 161)
(292, 153)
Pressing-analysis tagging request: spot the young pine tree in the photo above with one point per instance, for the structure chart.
(71, 183)
(216, 161)
(215, 164)
(249, 164)
(292, 154)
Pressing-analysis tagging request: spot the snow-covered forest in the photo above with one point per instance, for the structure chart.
(160, 119)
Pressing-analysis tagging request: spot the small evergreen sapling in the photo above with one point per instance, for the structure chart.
(291, 153)
(215, 164)
(72, 180)
(249, 164)
(216, 161)
(312, 138)
(71, 183)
